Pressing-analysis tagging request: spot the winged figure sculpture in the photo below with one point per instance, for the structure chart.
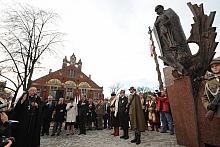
(175, 51)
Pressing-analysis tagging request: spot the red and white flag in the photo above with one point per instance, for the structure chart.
(152, 49)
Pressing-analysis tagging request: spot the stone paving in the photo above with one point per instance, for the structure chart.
(102, 138)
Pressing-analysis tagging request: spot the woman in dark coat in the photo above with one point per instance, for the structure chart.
(59, 116)
(91, 117)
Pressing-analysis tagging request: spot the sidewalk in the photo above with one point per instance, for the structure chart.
(102, 138)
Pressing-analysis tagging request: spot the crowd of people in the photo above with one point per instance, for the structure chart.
(136, 111)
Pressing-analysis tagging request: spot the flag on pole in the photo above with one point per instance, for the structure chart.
(152, 50)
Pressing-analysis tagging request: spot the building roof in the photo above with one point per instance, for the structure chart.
(61, 75)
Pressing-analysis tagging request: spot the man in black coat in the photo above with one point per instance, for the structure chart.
(107, 114)
(48, 108)
(83, 106)
(123, 114)
(28, 112)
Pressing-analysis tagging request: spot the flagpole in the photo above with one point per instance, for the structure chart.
(156, 60)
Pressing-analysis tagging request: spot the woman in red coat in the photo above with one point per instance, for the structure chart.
(165, 115)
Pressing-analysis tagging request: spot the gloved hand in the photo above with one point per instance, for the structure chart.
(209, 115)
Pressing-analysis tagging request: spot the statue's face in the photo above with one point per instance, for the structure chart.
(215, 68)
(159, 11)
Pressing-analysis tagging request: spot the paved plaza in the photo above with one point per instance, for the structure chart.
(102, 138)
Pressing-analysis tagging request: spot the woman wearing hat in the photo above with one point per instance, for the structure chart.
(114, 114)
(211, 97)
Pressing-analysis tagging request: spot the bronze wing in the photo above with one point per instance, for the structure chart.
(203, 34)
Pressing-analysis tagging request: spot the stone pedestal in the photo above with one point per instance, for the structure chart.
(191, 127)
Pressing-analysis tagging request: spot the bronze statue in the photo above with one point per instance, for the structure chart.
(170, 31)
(173, 44)
(171, 39)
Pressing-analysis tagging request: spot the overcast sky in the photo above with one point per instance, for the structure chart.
(111, 36)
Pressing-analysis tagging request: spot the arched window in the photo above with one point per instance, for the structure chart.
(70, 84)
(84, 86)
(69, 88)
(54, 84)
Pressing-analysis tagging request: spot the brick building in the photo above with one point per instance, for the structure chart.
(69, 81)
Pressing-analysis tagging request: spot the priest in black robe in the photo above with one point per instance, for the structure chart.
(28, 112)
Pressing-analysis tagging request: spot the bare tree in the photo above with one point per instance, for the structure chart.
(115, 88)
(27, 34)
(143, 89)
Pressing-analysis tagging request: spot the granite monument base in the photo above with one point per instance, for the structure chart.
(192, 129)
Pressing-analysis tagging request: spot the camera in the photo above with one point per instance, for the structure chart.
(6, 130)
(5, 140)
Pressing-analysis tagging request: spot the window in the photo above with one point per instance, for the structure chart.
(38, 92)
(70, 84)
(96, 95)
(84, 91)
(69, 93)
(53, 90)
(54, 82)
(71, 73)
(84, 85)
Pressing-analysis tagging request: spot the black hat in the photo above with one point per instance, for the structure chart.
(214, 61)
(132, 88)
(113, 94)
(157, 7)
